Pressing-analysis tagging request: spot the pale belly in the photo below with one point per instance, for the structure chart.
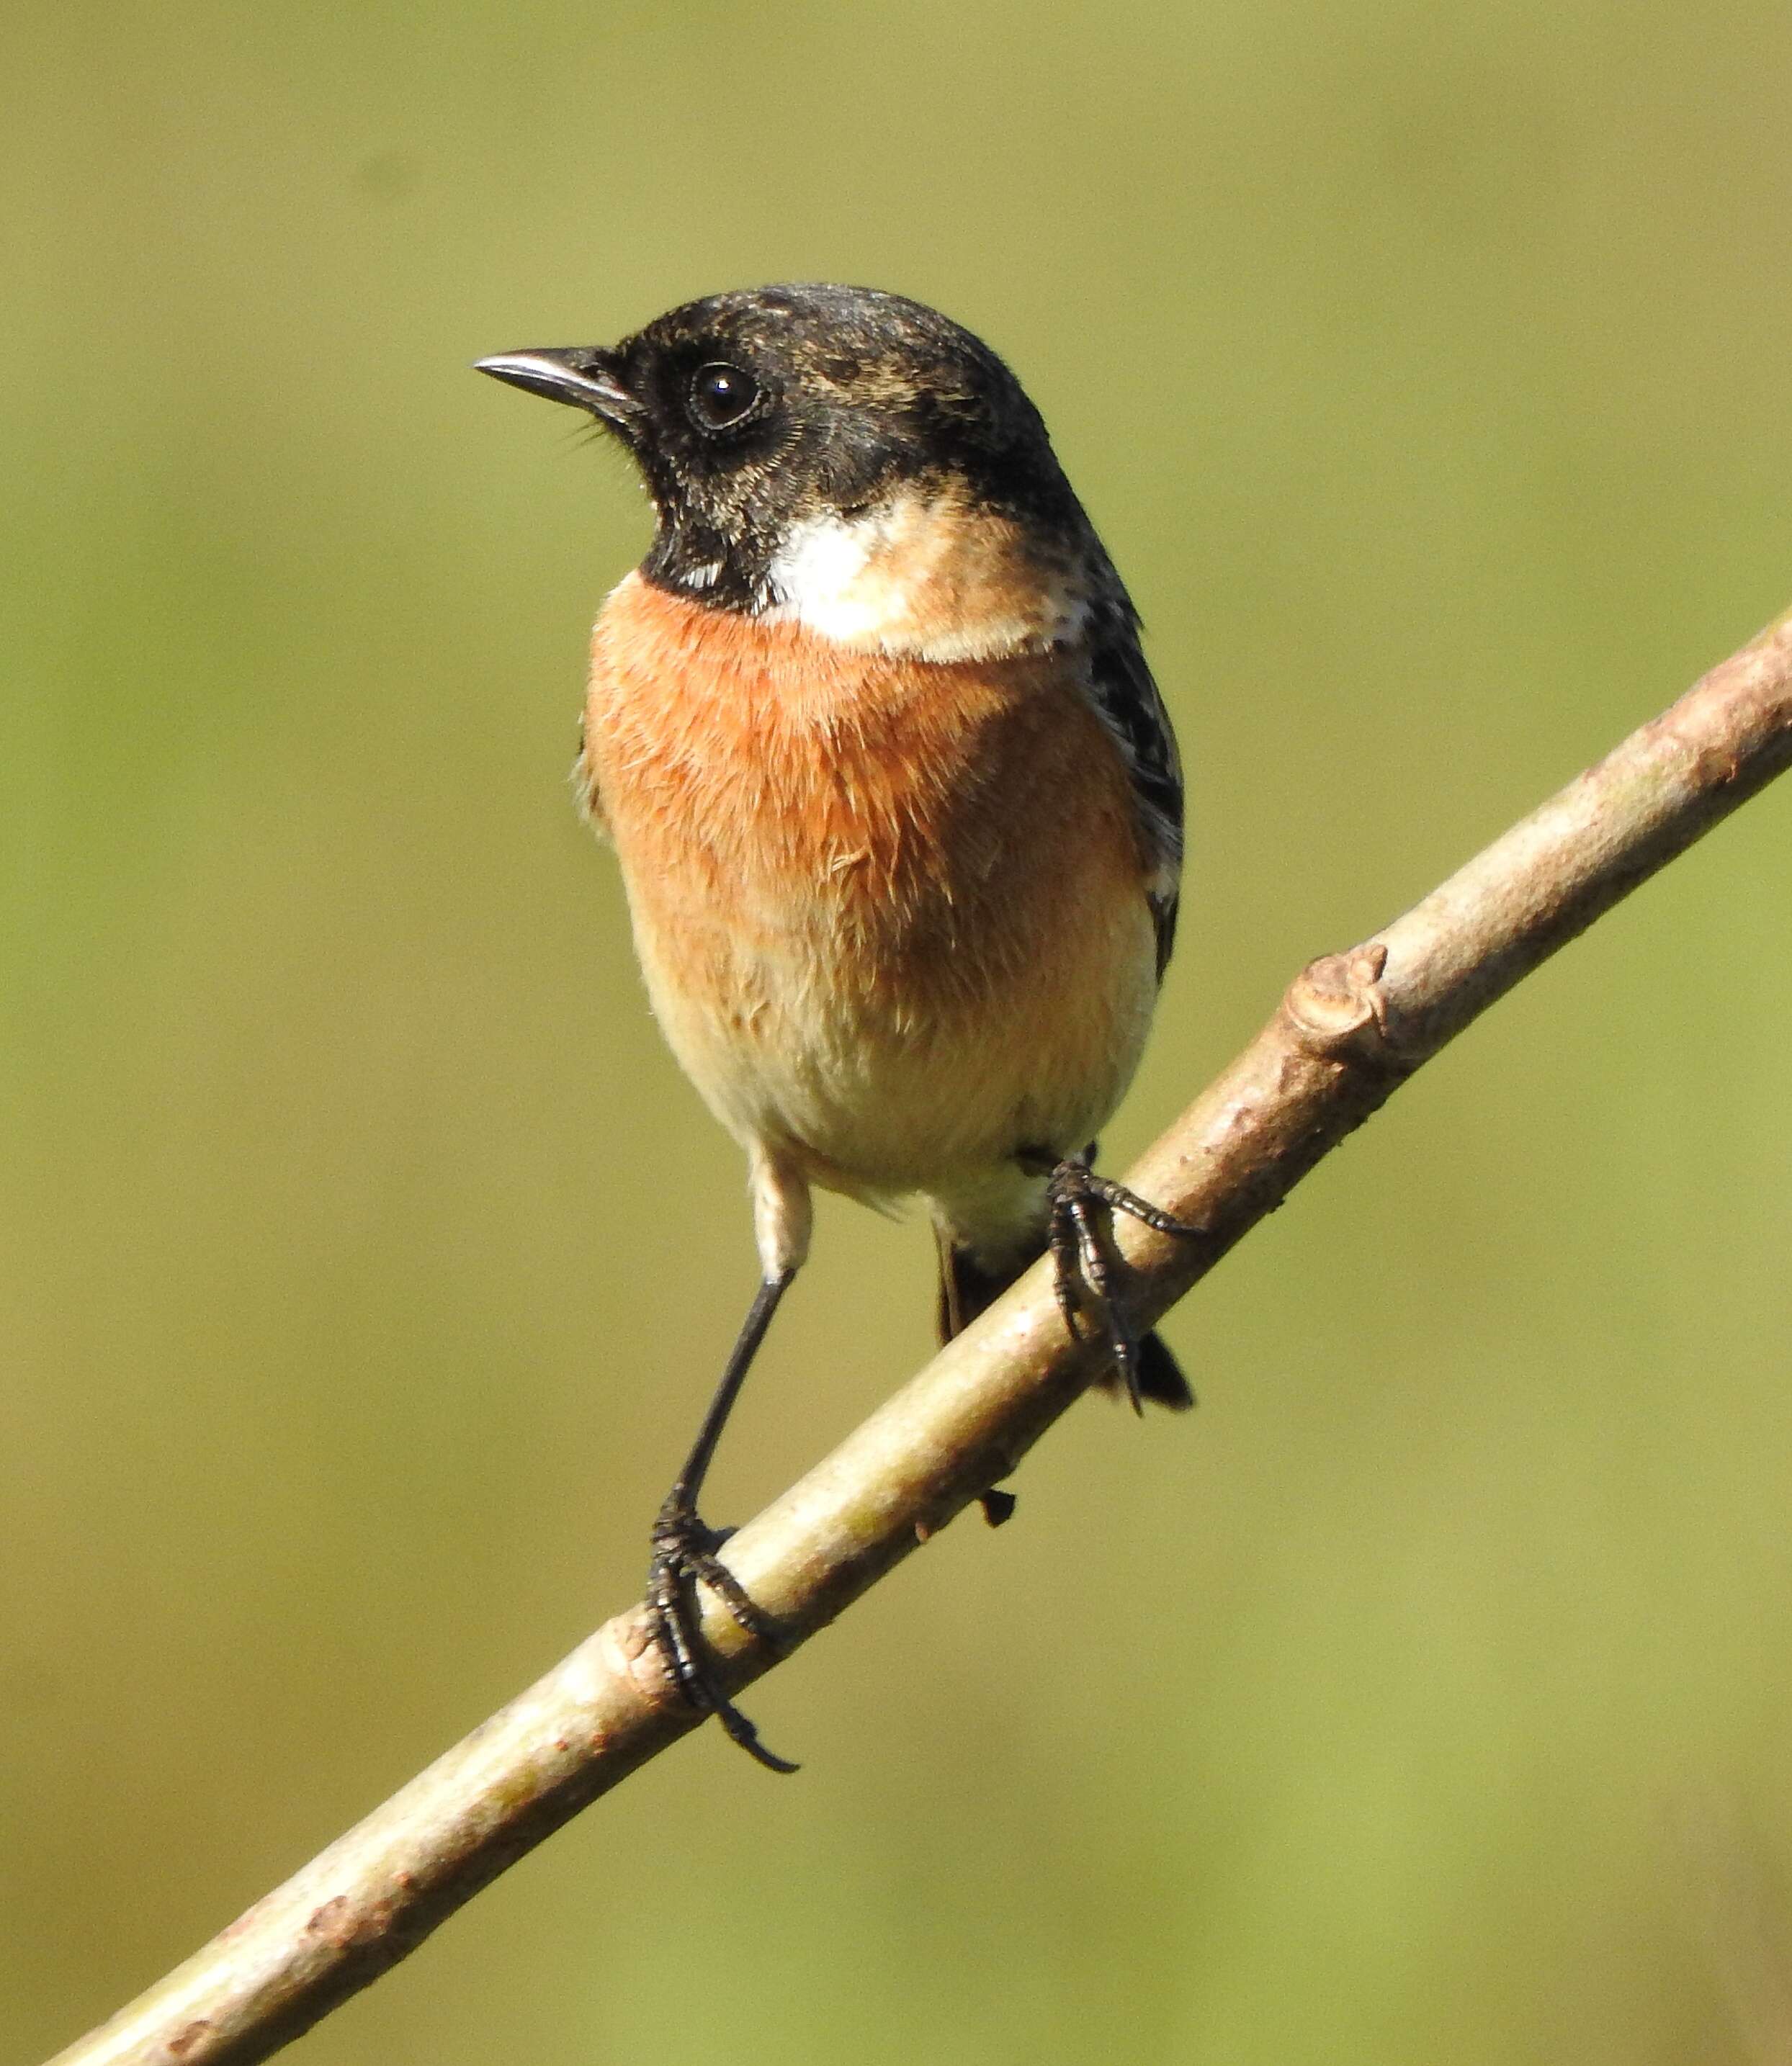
(918, 1070)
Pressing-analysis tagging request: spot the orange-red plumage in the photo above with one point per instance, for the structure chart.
(850, 876)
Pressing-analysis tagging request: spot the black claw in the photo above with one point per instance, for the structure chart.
(685, 1557)
(997, 1506)
(1062, 1235)
(1079, 1235)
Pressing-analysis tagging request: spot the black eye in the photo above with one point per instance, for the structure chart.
(721, 395)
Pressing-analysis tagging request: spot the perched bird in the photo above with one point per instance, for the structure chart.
(898, 808)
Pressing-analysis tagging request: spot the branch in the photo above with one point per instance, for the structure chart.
(1350, 1029)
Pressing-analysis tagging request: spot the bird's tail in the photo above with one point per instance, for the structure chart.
(966, 1288)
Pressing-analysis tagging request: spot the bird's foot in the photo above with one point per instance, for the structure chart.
(1080, 1232)
(685, 1557)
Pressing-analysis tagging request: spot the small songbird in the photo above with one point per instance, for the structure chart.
(898, 808)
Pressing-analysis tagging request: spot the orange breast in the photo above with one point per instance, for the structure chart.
(890, 910)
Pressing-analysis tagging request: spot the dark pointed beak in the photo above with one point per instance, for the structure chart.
(585, 375)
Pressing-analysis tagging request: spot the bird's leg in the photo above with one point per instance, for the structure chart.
(1081, 1206)
(684, 1548)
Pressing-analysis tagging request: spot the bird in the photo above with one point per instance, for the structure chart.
(898, 812)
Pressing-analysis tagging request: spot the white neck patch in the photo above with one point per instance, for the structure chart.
(923, 578)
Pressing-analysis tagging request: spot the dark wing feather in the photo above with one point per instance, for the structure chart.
(1127, 700)
(587, 798)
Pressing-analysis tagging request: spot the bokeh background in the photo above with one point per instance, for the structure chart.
(1426, 1697)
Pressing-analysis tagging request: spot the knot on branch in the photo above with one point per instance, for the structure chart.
(1337, 1010)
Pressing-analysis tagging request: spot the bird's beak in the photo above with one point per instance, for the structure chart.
(584, 374)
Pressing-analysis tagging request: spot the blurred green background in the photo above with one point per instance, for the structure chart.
(1426, 1696)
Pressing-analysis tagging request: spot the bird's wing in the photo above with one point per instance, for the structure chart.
(1126, 699)
(586, 796)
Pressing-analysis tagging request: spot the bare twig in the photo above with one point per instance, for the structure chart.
(1351, 1028)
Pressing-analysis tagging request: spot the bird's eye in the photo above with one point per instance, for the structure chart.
(722, 396)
